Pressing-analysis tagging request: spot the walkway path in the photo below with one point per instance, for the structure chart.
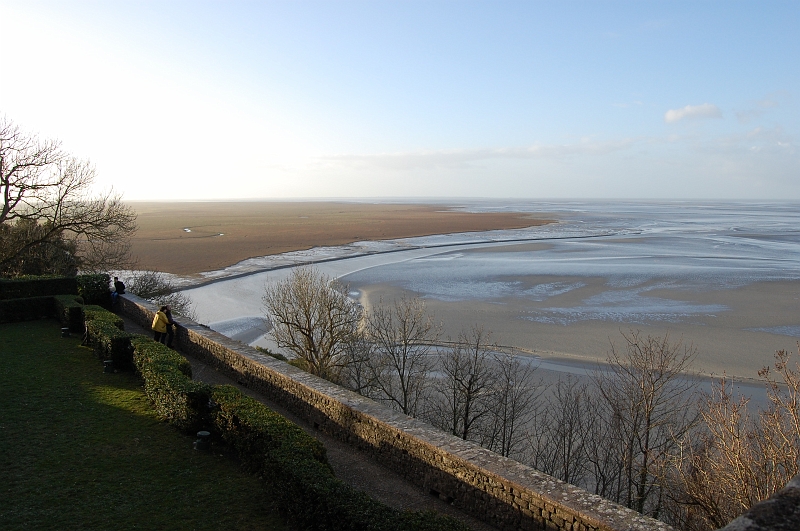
(350, 465)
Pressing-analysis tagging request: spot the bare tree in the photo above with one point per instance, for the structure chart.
(357, 373)
(47, 204)
(738, 458)
(157, 287)
(647, 400)
(403, 335)
(514, 404)
(558, 439)
(466, 383)
(313, 317)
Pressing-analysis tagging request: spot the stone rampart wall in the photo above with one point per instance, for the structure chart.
(498, 490)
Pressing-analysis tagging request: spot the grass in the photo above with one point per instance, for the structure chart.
(80, 449)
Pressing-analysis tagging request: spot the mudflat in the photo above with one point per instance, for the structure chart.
(192, 237)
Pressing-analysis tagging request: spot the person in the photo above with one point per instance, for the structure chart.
(119, 289)
(170, 325)
(119, 286)
(160, 325)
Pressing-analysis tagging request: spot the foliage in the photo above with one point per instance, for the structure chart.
(49, 221)
(313, 317)
(22, 287)
(95, 289)
(69, 310)
(105, 331)
(268, 352)
(301, 481)
(169, 386)
(28, 309)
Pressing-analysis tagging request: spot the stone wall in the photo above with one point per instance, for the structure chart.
(498, 490)
(781, 512)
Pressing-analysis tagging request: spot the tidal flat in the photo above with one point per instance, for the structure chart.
(723, 278)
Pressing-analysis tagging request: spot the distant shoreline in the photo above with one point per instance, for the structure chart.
(189, 238)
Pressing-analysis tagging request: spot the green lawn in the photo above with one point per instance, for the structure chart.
(80, 449)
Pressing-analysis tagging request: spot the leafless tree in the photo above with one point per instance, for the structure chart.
(646, 399)
(558, 439)
(514, 404)
(738, 458)
(357, 373)
(157, 287)
(48, 203)
(313, 317)
(403, 335)
(464, 390)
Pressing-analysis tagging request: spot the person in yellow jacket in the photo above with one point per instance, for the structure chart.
(159, 327)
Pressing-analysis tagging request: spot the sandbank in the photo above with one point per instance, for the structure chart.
(736, 342)
(188, 238)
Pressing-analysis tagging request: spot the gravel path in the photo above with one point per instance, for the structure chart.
(350, 465)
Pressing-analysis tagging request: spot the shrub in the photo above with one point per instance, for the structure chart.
(24, 287)
(168, 384)
(27, 309)
(69, 310)
(95, 289)
(299, 477)
(106, 333)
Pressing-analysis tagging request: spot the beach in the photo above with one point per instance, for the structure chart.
(724, 281)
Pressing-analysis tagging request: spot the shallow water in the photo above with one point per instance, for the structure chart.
(637, 248)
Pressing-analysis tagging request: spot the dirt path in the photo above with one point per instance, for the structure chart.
(350, 465)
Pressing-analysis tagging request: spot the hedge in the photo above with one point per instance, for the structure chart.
(28, 309)
(26, 287)
(69, 310)
(299, 477)
(168, 384)
(106, 333)
(95, 289)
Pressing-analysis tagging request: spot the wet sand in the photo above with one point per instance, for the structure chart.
(188, 238)
(727, 342)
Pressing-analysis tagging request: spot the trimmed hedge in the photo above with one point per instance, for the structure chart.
(254, 430)
(298, 474)
(26, 287)
(168, 384)
(106, 333)
(28, 309)
(69, 310)
(95, 289)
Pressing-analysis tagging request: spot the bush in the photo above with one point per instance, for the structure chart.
(69, 310)
(168, 384)
(299, 476)
(28, 309)
(95, 289)
(106, 333)
(25, 287)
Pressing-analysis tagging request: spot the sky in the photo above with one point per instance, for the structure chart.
(413, 99)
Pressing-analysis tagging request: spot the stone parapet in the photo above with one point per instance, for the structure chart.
(498, 490)
(781, 512)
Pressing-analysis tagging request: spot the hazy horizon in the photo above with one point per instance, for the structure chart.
(208, 100)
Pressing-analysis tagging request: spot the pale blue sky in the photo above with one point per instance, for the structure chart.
(279, 99)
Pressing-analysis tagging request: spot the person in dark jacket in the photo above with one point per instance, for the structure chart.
(119, 289)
